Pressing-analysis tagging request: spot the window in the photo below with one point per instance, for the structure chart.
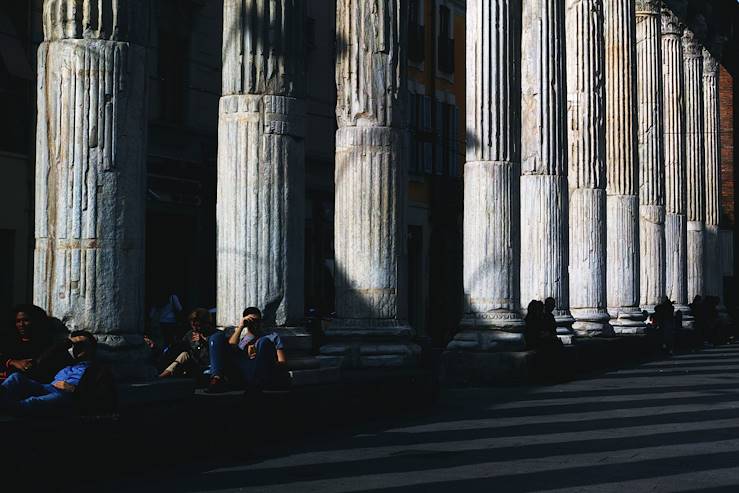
(416, 33)
(445, 41)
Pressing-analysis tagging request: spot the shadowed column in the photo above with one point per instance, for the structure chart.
(693, 66)
(651, 161)
(587, 170)
(91, 173)
(544, 158)
(371, 328)
(622, 201)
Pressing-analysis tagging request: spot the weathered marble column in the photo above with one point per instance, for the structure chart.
(370, 229)
(651, 160)
(587, 170)
(622, 201)
(713, 270)
(261, 163)
(491, 179)
(91, 172)
(673, 110)
(544, 157)
(693, 66)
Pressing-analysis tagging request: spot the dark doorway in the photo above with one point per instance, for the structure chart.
(415, 277)
(7, 264)
(168, 256)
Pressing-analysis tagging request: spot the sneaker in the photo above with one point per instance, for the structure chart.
(217, 385)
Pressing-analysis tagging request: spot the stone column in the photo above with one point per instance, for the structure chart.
(676, 233)
(91, 173)
(713, 271)
(622, 201)
(651, 160)
(371, 178)
(587, 170)
(544, 157)
(491, 179)
(693, 66)
(261, 163)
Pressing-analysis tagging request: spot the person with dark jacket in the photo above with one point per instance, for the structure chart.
(193, 355)
(22, 344)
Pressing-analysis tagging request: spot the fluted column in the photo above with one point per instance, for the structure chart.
(544, 157)
(261, 162)
(676, 233)
(370, 227)
(713, 271)
(651, 160)
(91, 172)
(491, 178)
(693, 66)
(622, 201)
(587, 170)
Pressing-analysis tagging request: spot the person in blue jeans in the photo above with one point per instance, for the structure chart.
(22, 395)
(249, 353)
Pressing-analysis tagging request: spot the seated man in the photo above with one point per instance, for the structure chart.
(23, 395)
(249, 353)
(21, 345)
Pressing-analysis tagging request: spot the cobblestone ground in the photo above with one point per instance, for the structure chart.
(670, 425)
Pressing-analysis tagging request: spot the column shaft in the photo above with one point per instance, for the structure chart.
(544, 157)
(261, 163)
(713, 272)
(622, 270)
(651, 161)
(676, 233)
(91, 172)
(492, 170)
(693, 66)
(370, 227)
(587, 171)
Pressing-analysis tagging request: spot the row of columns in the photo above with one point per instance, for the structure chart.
(591, 173)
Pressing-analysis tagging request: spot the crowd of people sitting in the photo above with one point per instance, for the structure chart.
(707, 328)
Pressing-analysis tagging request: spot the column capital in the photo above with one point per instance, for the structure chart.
(691, 45)
(113, 20)
(710, 64)
(647, 7)
(671, 25)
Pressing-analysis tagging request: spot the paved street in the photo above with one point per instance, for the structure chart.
(669, 425)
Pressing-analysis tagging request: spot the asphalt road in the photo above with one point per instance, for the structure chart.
(670, 425)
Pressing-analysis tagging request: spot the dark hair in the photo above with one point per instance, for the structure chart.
(252, 310)
(90, 343)
(201, 315)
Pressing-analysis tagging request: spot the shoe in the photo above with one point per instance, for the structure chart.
(217, 385)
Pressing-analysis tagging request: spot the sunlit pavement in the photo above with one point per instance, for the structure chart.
(670, 425)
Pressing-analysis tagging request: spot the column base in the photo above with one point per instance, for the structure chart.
(127, 363)
(564, 327)
(361, 344)
(591, 322)
(688, 319)
(628, 320)
(491, 333)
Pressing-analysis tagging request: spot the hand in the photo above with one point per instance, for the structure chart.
(248, 320)
(197, 337)
(149, 343)
(21, 364)
(251, 350)
(64, 386)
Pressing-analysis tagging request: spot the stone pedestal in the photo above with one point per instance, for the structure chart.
(622, 202)
(696, 210)
(371, 328)
(261, 165)
(491, 180)
(651, 161)
(676, 233)
(91, 175)
(587, 170)
(544, 250)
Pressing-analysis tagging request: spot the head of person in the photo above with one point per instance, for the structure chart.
(83, 345)
(549, 305)
(255, 316)
(199, 320)
(535, 310)
(29, 319)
